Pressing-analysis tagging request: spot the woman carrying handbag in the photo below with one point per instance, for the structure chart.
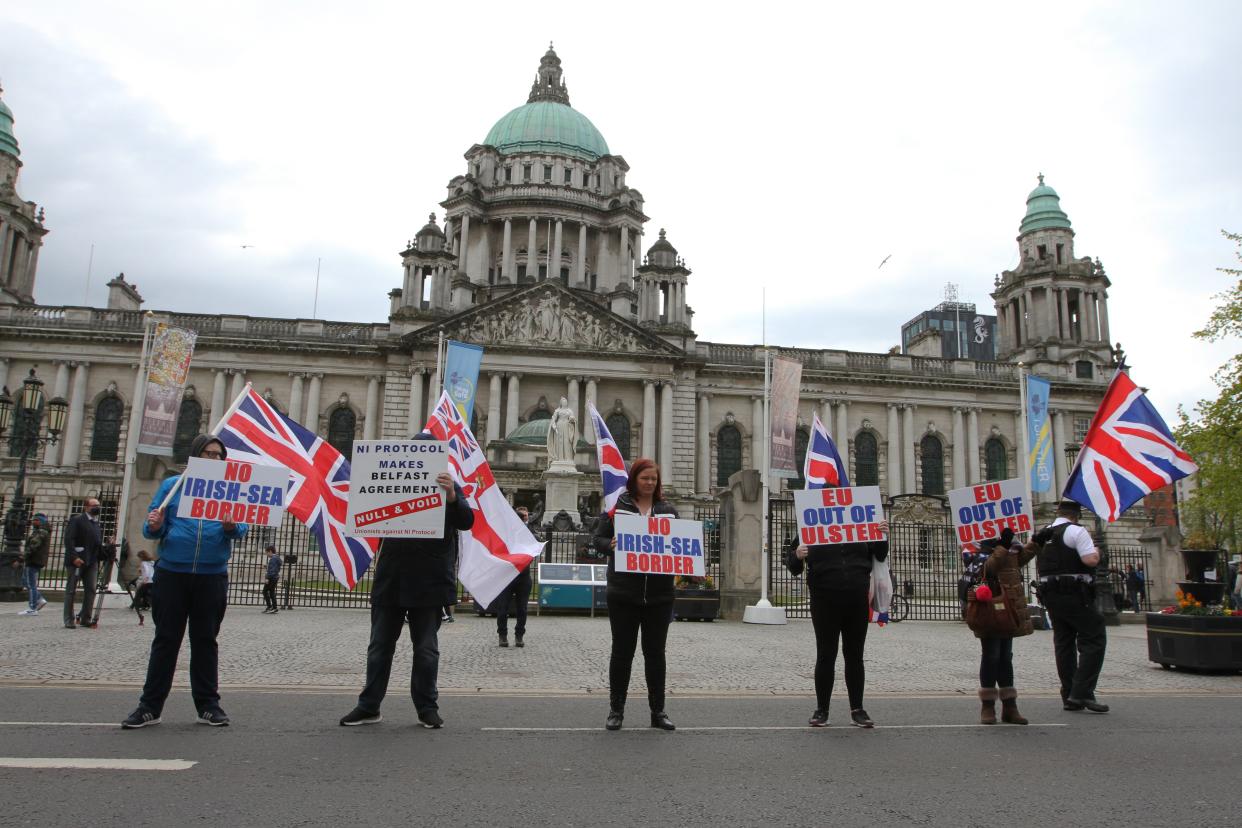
(996, 613)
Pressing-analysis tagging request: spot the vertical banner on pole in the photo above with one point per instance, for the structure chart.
(786, 381)
(461, 375)
(1039, 433)
(171, 353)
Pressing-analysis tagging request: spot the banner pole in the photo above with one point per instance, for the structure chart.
(131, 447)
(762, 611)
(1026, 442)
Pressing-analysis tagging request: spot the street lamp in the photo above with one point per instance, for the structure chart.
(24, 415)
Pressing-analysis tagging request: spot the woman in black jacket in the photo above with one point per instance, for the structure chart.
(637, 603)
(838, 577)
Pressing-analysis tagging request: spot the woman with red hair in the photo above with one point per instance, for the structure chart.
(637, 604)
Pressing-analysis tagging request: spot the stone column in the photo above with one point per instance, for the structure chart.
(312, 403)
(27, 284)
(60, 388)
(1059, 464)
(6, 242)
(555, 258)
(571, 396)
(1050, 311)
(825, 417)
(1105, 336)
(434, 390)
(1093, 331)
(415, 299)
(532, 250)
(757, 438)
(959, 449)
(493, 408)
(371, 418)
(588, 430)
(4, 372)
(580, 277)
(843, 430)
(649, 418)
(704, 430)
(77, 413)
(506, 252)
(511, 405)
(295, 397)
(972, 446)
(623, 278)
(217, 396)
(1067, 330)
(666, 429)
(239, 384)
(907, 436)
(894, 451)
(463, 249)
(415, 421)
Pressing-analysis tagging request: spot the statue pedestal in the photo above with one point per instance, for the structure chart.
(560, 491)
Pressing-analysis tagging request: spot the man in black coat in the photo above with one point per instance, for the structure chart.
(414, 579)
(84, 548)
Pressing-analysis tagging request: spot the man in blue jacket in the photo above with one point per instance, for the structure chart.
(190, 586)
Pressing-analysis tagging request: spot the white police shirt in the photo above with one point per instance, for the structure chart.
(1077, 538)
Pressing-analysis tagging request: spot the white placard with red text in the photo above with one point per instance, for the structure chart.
(849, 514)
(393, 491)
(981, 512)
(659, 546)
(223, 490)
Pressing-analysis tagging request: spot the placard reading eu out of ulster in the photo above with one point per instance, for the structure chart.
(981, 512)
(839, 515)
(393, 491)
(659, 546)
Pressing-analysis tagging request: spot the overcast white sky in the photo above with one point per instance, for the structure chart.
(786, 145)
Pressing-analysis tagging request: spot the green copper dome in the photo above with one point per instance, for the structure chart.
(1043, 210)
(8, 141)
(547, 126)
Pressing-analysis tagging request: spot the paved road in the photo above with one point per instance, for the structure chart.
(512, 761)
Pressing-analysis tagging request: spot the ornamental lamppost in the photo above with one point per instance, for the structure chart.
(24, 416)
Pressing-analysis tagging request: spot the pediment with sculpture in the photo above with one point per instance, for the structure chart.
(551, 316)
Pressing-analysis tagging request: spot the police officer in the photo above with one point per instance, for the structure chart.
(1066, 562)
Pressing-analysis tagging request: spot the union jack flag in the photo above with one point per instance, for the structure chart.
(823, 467)
(499, 546)
(318, 493)
(611, 464)
(1128, 453)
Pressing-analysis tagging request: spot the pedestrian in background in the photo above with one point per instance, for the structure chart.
(36, 558)
(517, 592)
(272, 578)
(1133, 589)
(84, 548)
(1003, 567)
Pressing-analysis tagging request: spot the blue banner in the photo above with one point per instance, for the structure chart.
(1039, 434)
(461, 375)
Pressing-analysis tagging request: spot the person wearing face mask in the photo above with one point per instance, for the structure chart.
(83, 551)
(190, 588)
(637, 603)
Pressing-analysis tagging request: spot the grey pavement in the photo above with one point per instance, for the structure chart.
(320, 648)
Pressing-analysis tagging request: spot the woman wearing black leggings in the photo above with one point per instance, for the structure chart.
(638, 605)
(838, 577)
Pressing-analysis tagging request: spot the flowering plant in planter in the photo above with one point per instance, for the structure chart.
(694, 582)
(1187, 604)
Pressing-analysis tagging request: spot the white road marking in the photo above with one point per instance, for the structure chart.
(770, 727)
(96, 764)
(60, 724)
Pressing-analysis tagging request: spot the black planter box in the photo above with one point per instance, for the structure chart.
(1200, 642)
(696, 604)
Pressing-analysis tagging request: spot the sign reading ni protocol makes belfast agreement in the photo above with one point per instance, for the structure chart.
(659, 546)
(981, 512)
(230, 490)
(393, 491)
(841, 515)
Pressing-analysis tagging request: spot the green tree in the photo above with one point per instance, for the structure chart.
(1214, 436)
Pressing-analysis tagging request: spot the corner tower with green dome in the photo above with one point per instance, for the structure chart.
(542, 198)
(21, 221)
(1052, 309)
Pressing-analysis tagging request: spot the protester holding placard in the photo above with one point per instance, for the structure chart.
(1002, 570)
(637, 603)
(190, 588)
(838, 578)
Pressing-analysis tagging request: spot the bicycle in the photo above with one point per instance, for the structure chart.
(899, 609)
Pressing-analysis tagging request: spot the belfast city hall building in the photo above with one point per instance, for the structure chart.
(540, 253)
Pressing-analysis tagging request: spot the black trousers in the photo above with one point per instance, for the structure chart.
(996, 662)
(628, 621)
(839, 616)
(1078, 639)
(179, 599)
(517, 591)
(386, 623)
(269, 593)
(86, 576)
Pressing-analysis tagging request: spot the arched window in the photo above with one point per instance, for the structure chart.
(189, 422)
(106, 440)
(997, 459)
(801, 438)
(341, 430)
(728, 454)
(619, 427)
(933, 465)
(866, 461)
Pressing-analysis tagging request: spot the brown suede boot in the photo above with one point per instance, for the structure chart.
(987, 713)
(1009, 707)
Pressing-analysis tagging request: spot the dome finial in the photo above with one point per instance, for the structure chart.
(548, 85)
(1041, 179)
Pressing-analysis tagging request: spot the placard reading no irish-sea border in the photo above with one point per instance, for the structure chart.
(231, 490)
(842, 515)
(981, 512)
(393, 491)
(659, 546)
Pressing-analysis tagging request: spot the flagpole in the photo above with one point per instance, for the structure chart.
(762, 612)
(131, 444)
(1026, 441)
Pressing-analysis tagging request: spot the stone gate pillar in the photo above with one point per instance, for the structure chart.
(741, 543)
(1163, 545)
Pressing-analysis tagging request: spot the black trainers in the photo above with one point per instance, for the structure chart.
(431, 719)
(819, 718)
(660, 720)
(859, 718)
(615, 717)
(504, 640)
(141, 717)
(518, 642)
(213, 716)
(1086, 704)
(358, 716)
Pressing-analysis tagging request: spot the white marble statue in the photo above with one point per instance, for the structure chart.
(562, 434)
